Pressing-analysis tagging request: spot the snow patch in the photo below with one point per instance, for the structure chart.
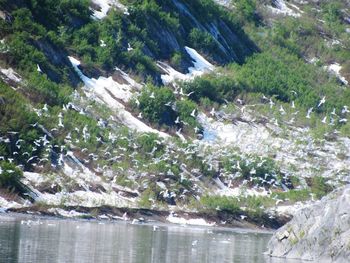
(182, 221)
(105, 5)
(111, 93)
(227, 134)
(335, 68)
(64, 213)
(11, 74)
(35, 178)
(4, 204)
(283, 9)
(200, 66)
(171, 74)
(225, 3)
(237, 191)
(85, 199)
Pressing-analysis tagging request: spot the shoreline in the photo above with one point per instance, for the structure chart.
(220, 219)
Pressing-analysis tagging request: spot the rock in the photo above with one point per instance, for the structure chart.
(319, 232)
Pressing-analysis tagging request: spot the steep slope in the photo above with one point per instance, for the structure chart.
(164, 105)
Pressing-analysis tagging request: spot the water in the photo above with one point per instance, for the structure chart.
(38, 241)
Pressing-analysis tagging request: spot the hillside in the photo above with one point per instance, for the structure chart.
(231, 109)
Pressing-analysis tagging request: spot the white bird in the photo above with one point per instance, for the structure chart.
(343, 120)
(194, 243)
(60, 124)
(240, 101)
(38, 68)
(212, 112)
(345, 110)
(238, 166)
(324, 120)
(102, 43)
(282, 111)
(193, 113)
(333, 112)
(152, 95)
(322, 101)
(243, 217)
(309, 111)
(189, 94)
(129, 47)
(293, 105)
(140, 115)
(294, 92)
(45, 107)
(177, 121)
(271, 103)
(182, 92)
(278, 201)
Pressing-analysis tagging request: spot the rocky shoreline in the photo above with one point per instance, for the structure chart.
(140, 215)
(320, 232)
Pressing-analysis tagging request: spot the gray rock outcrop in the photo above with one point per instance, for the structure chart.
(319, 232)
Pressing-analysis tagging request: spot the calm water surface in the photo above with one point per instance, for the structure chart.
(52, 240)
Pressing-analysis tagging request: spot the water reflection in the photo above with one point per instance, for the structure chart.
(79, 241)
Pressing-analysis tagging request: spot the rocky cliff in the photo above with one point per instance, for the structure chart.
(318, 232)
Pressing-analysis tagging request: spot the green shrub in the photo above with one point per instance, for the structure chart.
(10, 176)
(152, 104)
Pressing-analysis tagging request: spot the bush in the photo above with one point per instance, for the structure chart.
(224, 203)
(185, 108)
(202, 40)
(319, 186)
(149, 142)
(10, 176)
(212, 87)
(152, 104)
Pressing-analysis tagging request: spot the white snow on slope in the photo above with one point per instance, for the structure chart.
(265, 140)
(105, 5)
(225, 3)
(85, 199)
(228, 134)
(283, 9)
(110, 92)
(335, 68)
(200, 66)
(4, 204)
(11, 74)
(237, 191)
(171, 74)
(182, 221)
(64, 213)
